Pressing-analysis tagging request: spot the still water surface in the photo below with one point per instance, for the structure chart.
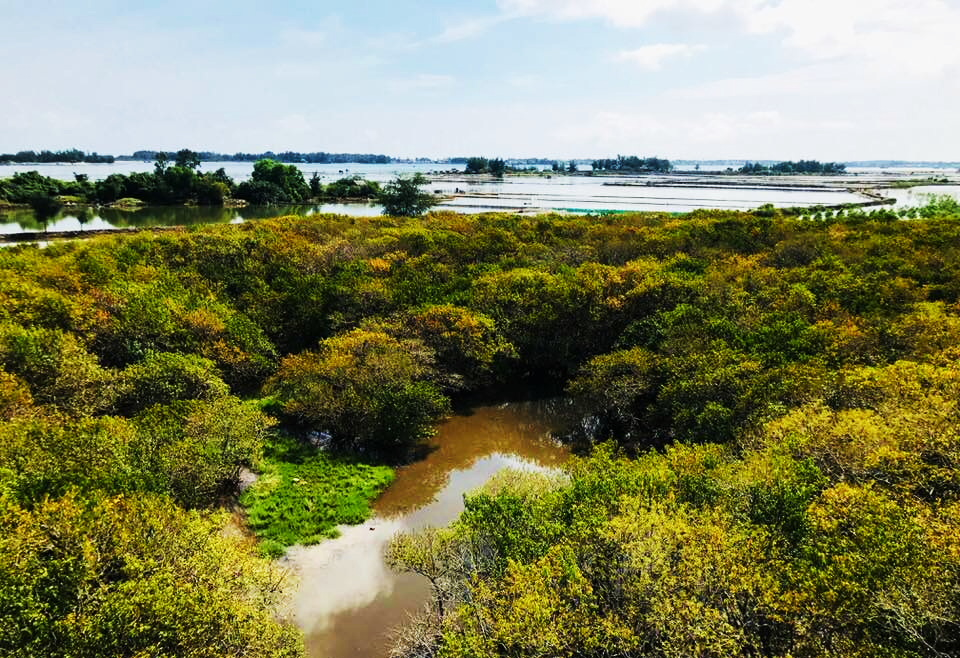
(522, 193)
(23, 221)
(471, 195)
(349, 601)
(238, 171)
(529, 196)
(920, 196)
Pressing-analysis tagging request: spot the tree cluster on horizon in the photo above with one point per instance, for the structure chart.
(287, 157)
(71, 156)
(176, 179)
(481, 165)
(633, 164)
(790, 167)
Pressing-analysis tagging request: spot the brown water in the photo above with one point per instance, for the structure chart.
(349, 602)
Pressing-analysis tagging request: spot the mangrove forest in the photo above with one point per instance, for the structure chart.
(767, 427)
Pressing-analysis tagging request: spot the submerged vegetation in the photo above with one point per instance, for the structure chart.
(771, 462)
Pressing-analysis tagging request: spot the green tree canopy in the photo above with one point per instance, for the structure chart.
(404, 197)
(287, 177)
(367, 389)
(134, 576)
(187, 159)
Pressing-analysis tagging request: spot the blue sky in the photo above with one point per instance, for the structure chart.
(825, 79)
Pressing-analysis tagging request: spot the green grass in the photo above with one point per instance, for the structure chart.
(916, 182)
(128, 202)
(303, 494)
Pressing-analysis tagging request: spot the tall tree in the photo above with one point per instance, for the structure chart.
(188, 159)
(404, 198)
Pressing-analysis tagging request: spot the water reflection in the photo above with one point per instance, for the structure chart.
(13, 221)
(534, 195)
(349, 601)
(521, 430)
(920, 196)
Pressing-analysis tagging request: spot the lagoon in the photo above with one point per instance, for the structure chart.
(349, 602)
(536, 193)
(238, 171)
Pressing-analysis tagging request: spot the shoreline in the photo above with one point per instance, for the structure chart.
(27, 237)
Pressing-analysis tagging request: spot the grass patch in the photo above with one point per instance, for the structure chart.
(127, 202)
(69, 199)
(916, 182)
(303, 494)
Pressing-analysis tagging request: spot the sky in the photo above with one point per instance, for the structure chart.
(681, 79)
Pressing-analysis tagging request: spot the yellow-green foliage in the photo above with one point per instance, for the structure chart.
(58, 369)
(15, 398)
(522, 483)
(366, 389)
(899, 425)
(190, 450)
(466, 344)
(134, 576)
(797, 377)
(834, 533)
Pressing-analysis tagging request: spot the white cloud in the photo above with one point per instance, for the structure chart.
(882, 36)
(611, 130)
(467, 29)
(885, 36)
(814, 80)
(620, 13)
(424, 81)
(724, 127)
(686, 133)
(304, 38)
(454, 32)
(890, 51)
(665, 132)
(293, 124)
(523, 81)
(316, 33)
(652, 57)
(849, 79)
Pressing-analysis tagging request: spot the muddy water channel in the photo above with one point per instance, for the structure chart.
(349, 601)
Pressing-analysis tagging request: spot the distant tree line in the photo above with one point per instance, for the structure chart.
(513, 161)
(498, 166)
(49, 157)
(530, 161)
(177, 180)
(174, 180)
(925, 164)
(790, 167)
(404, 197)
(351, 187)
(286, 156)
(633, 164)
(478, 165)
